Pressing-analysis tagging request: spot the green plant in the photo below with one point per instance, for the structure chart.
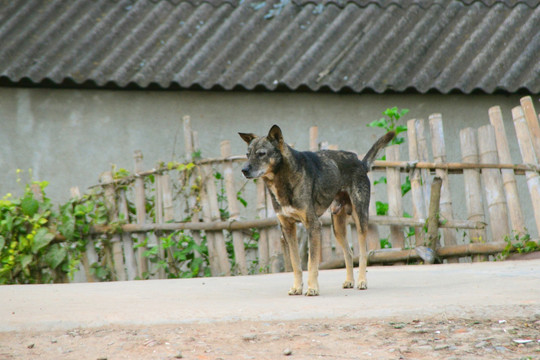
(390, 123)
(520, 243)
(183, 256)
(29, 250)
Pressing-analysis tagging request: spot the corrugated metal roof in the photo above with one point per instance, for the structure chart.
(357, 46)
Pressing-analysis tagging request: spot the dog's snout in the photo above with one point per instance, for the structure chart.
(246, 170)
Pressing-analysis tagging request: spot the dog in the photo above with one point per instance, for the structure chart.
(303, 185)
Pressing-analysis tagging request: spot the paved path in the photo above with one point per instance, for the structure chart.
(487, 290)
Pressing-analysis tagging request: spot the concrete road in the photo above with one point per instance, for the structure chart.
(481, 290)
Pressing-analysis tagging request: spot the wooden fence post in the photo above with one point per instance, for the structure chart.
(129, 253)
(191, 142)
(89, 256)
(275, 254)
(327, 237)
(395, 207)
(188, 138)
(263, 233)
(418, 203)
(532, 123)
(313, 135)
(219, 239)
(168, 215)
(527, 153)
(433, 215)
(439, 156)
(140, 207)
(473, 186)
(213, 258)
(509, 180)
(158, 208)
(234, 212)
(110, 202)
(423, 155)
(495, 198)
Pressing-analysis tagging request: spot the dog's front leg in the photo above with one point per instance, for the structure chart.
(313, 227)
(288, 227)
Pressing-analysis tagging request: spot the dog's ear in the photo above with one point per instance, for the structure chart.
(275, 135)
(248, 138)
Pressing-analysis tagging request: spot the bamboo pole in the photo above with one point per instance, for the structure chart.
(415, 176)
(453, 168)
(532, 121)
(158, 208)
(89, 256)
(213, 257)
(473, 187)
(439, 156)
(509, 179)
(378, 166)
(127, 243)
(327, 246)
(274, 239)
(110, 203)
(234, 212)
(188, 138)
(219, 239)
(433, 240)
(492, 179)
(140, 207)
(313, 135)
(263, 234)
(395, 207)
(168, 216)
(423, 157)
(387, 256)
(272, 221)
(191, 143)
(528, 155)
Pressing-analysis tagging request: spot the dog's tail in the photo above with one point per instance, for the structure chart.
(378, 146)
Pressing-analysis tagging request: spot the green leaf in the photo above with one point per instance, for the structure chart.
(55, 255)
(406, 186)
(29, 206)
(2, 242)
(42, 238)
(382, 180)
(26, 260)
(401, 128)
(382, 123)
(382, 208)
(385, 244)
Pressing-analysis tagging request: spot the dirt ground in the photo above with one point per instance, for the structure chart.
(429, 338)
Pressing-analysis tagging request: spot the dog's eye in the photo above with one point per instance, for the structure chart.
(261, 153)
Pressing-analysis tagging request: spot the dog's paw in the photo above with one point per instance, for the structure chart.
(295, 291)
(362, 285)
(348, 284)
(312, 292)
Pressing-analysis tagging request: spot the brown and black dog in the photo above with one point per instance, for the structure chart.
(303, 185)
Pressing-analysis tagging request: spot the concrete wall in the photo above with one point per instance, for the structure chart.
(68, 137)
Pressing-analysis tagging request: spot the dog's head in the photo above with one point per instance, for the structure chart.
(264, 154)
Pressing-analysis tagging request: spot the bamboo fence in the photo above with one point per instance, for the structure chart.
(492, 203)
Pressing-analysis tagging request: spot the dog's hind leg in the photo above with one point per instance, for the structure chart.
(339, 223)
(361, 229)
(360, 201)
(288, 227)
